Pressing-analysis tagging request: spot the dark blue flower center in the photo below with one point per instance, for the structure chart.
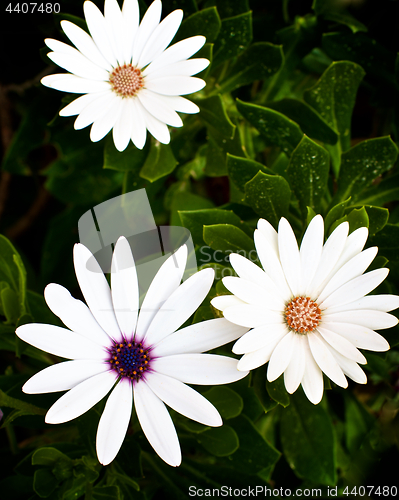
(129, 359)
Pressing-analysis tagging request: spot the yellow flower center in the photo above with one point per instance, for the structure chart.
(302, 315)
(126, 80)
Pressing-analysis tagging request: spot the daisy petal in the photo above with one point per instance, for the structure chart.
(325, 360)
(60, 342)
(203, 369)
(115, 29)
(289, 255)
(74, 84)
(104, 123)
(63, 376)
(139, 129)
(79, 65)
(98, 29)
(95, 290)
(354, 245)
(157, 425)
(188, 67)
(376, 320)
(199, 337)
(131, 17)
(147, 26)
(95, 110)
(310, 251)
(174, 85)
(259, 337)
(378, 302)
(122, 130)
(81, 398)
(281, 357)
(252, 293)
(125, 288)
(349, 367)
(157, 107)
(163, 285)
(180, 104)
(74, 314)
(222, 302)
(156, 128)
(342, 345)
(295, 370)
(252, 316)
(79, 104)
(360, 336)
(114, 422)
(183, 399)
(183, 302)
(312, 382)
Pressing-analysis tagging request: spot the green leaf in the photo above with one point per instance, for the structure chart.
(8, 270)
(276, 128)
(363, 163)
(378, 217)
(308, 440)
(358, 423)
(242, 170)
(261, 60)
(335, 213)
(213, 112)
(206, 22)
(308, 174)
(307, 118)
(185, 201)
(269, 196)
(9, 402)
(227, 238)
(259, 386)
(44, 482)
(333, 97)
(131, 159)
(159, 162)
(194, 221)
(335, 11)
(387, 241)
(357, 218)
(228, 403)
(220, 441)
(21, 283)
(48, 456)
(228, 8)
(218, 148)
(387, 190)
(234, 36)
(278, 392)
(105, 493)
(10, 305)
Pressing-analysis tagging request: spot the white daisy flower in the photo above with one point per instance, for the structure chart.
(142, 358)
(307, 308)
(130, 80)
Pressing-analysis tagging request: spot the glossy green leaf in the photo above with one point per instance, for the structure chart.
(159, 162)
(308, 174)
(269, 196)
(131, 159)
(234, 36)
(220, 441)
(278, 392)
(335, 11)
(228, 403)
(310, 213)
(27, 408)
(378, 217)
(10, 305)
(242, 170)
(259, 386)
(205, 22)
(227, 238)
(213, 112)
(363, 163)
(335, 213)
(387, 241)
(8, 270)
(49, 456)
(228, 8)
(384, 192)
(357, 218)
(333, 97)
(308, 440)
(218, 148)
(276, 128)
(185, 201)
(307, 118)
(194, 221)
(261, 60)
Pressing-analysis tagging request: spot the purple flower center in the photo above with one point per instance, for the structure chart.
(129, 359)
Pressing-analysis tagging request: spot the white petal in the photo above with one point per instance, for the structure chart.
(349, 367)
(157, 425)
(165, 282)
(360, 336)
(181, 68)
(124, 288)
(79, 104)
(253, 294)
(79, 65)
(310, 251)
(248, 270)
(183, 302)
(104, 124)
(354, 289)
(160, 38)
(252, 316)
(325, 360)
(271, 264)
(342, 345)
(281, 357)
(95, 290)
(74, 314)
(147, 26)
(183, 399)
(312, 382)
(179, 103)
(85, 44)
(156, 128)
(114, 422)
(257, 358)
(222, 302)
(63, 376)
(60, 342)
(139, 129)
(295, 370)
(115, 26)
(376, 320)
(378, 302)
(95, 110)
(61, 47)
(178, 52)
(98, 30)
(329, 257)
(81, 398)
(131, 17)
(203, 369)
(259, 337)
(74, 84)
(157, 107)
(289, 256)
(269, 232)
(174, 85)
(123, 128)
(199, 337)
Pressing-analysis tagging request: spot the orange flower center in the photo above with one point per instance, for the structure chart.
(302, 315)
(126, 80)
